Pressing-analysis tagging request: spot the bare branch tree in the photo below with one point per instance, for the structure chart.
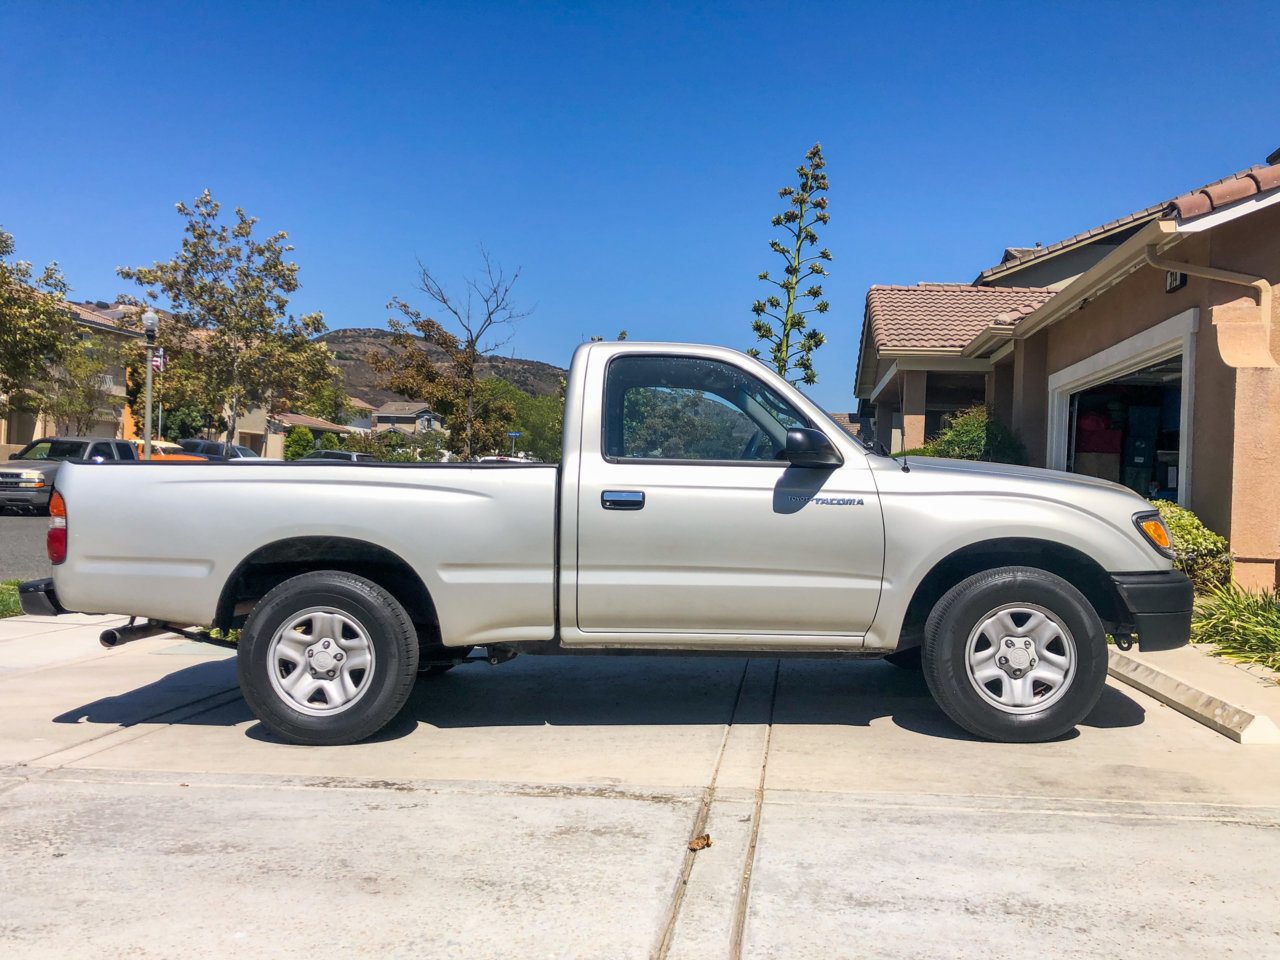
(485, 316)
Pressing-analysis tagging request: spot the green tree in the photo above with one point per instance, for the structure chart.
(793, 343)
(229, 295)
(328, 442)
(539, 420)
(484, 316)
(78, 393)
(35, 328)
(298, 442)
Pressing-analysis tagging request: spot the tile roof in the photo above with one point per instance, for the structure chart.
(934, 316)
(401, 408)
(1225, 186)
(311, 423)
(360, 404)
(1246, 183)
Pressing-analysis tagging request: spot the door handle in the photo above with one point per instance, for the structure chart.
(622, 499)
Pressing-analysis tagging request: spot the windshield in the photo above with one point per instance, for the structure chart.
(54, 450)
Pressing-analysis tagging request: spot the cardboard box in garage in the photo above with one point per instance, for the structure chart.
(1105, 466)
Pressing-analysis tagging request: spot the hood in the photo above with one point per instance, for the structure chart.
(934, 474)
(46, 467)
(1004, 471)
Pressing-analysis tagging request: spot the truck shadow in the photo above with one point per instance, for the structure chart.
(568, 691)
(602, 691)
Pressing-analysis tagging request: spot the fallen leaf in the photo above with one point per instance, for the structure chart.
(697, 843)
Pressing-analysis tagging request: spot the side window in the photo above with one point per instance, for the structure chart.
(102, 450)
(686, 408)
(124, 450)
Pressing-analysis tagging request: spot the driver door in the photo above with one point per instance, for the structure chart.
(689, 521)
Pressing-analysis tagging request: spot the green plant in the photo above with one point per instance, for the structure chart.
(298, 443)
(1201, 554)
(1244, 625)
(9, 605)
(974, 434)
(792, 343)
(329, 442)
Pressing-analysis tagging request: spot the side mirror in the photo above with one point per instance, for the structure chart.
(811, 448)
(13, 456)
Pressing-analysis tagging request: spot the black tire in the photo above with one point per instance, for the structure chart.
(373, 626)
(954, 644)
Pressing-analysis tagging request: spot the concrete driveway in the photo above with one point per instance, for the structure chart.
(543, 808)
(23, 555)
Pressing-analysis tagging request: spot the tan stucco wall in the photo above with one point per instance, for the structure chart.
(914, 390)
(1236, 412)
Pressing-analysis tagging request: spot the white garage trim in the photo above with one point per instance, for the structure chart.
(1171, 338)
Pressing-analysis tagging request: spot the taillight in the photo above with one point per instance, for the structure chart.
(56, 543)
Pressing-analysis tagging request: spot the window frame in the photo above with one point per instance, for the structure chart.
(669, 461)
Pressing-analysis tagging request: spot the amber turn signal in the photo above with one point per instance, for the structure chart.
(1155, 531)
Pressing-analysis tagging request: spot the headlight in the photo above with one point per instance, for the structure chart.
(1156, 533)
(31, 478)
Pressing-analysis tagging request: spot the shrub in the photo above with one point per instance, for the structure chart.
(1200, 553)
(974, 434)
(1243, 624)
(329, 442)
(298, 443)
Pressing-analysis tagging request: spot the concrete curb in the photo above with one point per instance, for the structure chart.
(1226, 718)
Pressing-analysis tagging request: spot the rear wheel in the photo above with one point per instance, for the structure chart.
(327, 658)
(1015, 654)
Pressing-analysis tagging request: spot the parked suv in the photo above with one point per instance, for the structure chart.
(25, 484)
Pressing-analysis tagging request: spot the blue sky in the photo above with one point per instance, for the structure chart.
(625, 155)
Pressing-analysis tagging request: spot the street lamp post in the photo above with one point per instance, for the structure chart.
(149, 321)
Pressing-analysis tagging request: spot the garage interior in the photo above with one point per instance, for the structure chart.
(1128, 430)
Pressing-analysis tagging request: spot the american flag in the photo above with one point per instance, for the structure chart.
(157, 360)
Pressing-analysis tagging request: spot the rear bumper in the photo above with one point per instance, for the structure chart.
(1159, 607)
(38, 599)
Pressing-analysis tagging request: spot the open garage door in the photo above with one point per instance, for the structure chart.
(1129, 430)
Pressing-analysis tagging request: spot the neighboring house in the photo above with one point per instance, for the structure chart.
(861, 428)
(1145, 351)
(361, 415)
(279, 424)
(19, 427)
(412, 416)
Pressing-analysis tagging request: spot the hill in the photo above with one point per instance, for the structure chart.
(351, 346)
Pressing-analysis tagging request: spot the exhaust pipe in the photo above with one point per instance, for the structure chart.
(122, 635)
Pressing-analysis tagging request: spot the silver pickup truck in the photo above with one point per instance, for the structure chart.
(702, 505)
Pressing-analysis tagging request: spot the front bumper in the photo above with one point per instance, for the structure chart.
(1159, 607)
(25, 498)
(38, 598)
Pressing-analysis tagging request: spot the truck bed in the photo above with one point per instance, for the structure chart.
(161, 540)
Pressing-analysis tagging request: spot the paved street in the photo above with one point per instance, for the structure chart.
(543, 809)
(22, 555)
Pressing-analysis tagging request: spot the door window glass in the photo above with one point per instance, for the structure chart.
(687, 408)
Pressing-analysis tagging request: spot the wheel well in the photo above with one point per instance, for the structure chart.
(271, 565)
(1082, 571)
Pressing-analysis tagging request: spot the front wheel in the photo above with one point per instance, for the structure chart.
(327, 658)
(1015, 654)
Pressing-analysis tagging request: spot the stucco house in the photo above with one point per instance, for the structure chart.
(407, 416)
(20, 426)
(1145, 351)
